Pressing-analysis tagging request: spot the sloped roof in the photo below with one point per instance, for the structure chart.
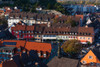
(38, 46)
(62, 62)
(18, 42)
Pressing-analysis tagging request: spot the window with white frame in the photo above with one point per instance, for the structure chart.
(84, 62)
(16, 31)
(91, 63)
(83, 37)
(88, 38)
(44, 55)
(39, 54)
(90, 57)
(80, 37)
(29, 35)
(31, 31)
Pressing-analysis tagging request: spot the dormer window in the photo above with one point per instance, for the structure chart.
(80, 33)
(31, 31)
(39, 32)
(83, 33)
(84, 62)
(17, 17)
(31, 18)
(89, 33)
(11, 17)
(75, 33)
(91, 63)
(29, 35)
(25, 18)
(35, 32)
(72, 33)
(90, 57)
(28, 31)
(66, 32)
(38, 19)
(49, 32)
(46, 19)
(16, 31)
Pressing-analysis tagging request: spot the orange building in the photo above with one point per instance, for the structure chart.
(2, 12)
(92, 57)
(43, 49)
(86, 34)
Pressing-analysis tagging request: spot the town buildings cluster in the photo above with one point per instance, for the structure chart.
(31, 30)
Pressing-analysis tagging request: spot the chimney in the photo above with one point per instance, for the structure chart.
(11, 58)
(8, 8)
(28, 53)
(86, 26)
(20, 54)
(15, 7)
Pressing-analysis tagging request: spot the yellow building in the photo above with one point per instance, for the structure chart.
(92, 57)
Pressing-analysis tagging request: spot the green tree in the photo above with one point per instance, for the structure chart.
(72, 46)
(70, 21)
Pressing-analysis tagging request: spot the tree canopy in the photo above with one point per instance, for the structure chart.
(72, 22)
(72, 46)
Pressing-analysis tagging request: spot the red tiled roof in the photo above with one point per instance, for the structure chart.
(22, 27)
(86, 30)
(32, 45)
(38, 46)
(80, 16)
(19, 42)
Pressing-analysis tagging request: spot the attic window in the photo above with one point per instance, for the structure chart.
(17, 17)
(89, 33)
(84, 62)
(72, 33)
(91, 63)
(83, 33)
(11, 17)
(90, 57)
(66, 32)
(80, 33)
(39, 32)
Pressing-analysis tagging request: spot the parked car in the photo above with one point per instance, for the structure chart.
(98, 44)
(84, 51)
(93, 46)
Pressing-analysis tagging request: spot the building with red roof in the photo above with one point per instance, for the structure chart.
(43, 49)
(11, 48)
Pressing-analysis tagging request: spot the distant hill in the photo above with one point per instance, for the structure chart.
(92, 1)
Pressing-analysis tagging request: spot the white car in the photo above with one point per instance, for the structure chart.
(98, 44)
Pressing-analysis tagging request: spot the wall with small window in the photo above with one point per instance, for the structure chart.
(90, 57)
(85, 38)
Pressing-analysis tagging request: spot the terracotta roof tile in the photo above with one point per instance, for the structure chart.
(19, 42)
(38, 46)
